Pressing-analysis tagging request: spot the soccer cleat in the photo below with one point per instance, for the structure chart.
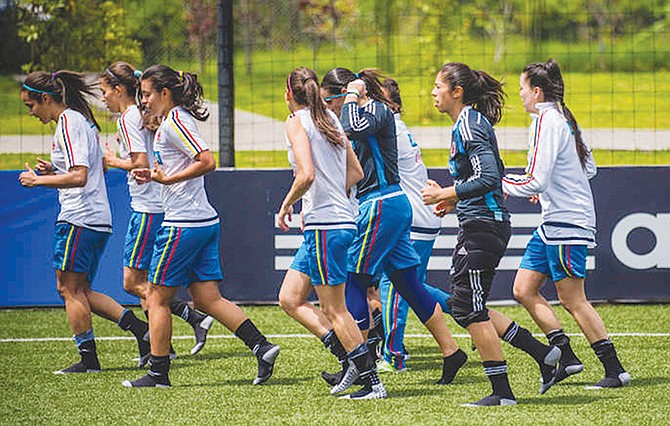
(491, 401)
(611, 382)
(148, 381)
(267, 354)
(368, 392)
(145, 351)
(348, 378)
(79, 368)
(384, 366)
(564, 371)
(549, 368)
(201, 329)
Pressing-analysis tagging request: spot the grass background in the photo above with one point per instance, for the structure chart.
(214, 386)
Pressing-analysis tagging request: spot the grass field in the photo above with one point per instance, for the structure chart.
(214, 387)
(431, 157)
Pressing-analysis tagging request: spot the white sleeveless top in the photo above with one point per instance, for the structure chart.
(134, 138)
(325, 205)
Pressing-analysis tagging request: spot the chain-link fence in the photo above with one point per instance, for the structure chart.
(614, 55)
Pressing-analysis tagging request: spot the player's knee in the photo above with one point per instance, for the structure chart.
(522, 294)
(288, 303)
(466, 318)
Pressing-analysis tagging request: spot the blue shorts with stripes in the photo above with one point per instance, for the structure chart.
(183, 256)
(383, 241)
(78, 249)
(555, 261)
(323, 255)
(140, 238)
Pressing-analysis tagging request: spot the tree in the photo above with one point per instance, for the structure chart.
(77, 34)
(201, 23)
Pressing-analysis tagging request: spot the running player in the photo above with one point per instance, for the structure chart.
(325, 168)
(559, 168)
(84, 222)
(119, 84)
(186, 251)
(384, 214)
(474, 101)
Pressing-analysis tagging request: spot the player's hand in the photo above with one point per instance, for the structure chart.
(141, 176)
(285, 212)
(28, 178)
(432, 193)
(159, 175)
(443, 207)
(44, 167)
(534, 198)
(357, 85)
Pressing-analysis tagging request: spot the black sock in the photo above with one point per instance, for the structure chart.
(250, 335)
(89, 354)
(496, 371)
(159, 366)
(185, 312)
(606, 353)
(365, 364)
(129, 322)
(521, 338)
(451, 365)
(333, 344)
(558, 338)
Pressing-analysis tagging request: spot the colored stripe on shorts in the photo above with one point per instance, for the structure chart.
(67, 248)
(165, 250)
(564, 258)
(373, 218)
(138, 239)
(322, 258)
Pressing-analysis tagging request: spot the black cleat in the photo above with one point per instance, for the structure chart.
(347, 379)
(334, 378)
(491, 401)
(201, 329)
(567, 370)
(148, 381)
(79, 367)
(549, 368)
(368, 392)
(611, 382)
(267, 354)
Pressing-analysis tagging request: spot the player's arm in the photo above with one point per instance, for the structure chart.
(304, 173)
(137, 160)
(203, 163)
(76, 176)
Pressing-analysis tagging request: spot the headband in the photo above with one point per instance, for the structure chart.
(32, 89)
(112, 75)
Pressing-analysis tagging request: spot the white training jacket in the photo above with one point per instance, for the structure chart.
(556, 174)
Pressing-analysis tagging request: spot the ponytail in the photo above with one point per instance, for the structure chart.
(122, 74)
(65, 87)
(392, 92)
(481, 91)
(338, 78)
(303, 85)
(547, 76)
(186, 91)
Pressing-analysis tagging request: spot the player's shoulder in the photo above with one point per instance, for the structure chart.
(473, 124)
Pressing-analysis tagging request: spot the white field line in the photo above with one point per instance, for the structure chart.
(286, 336)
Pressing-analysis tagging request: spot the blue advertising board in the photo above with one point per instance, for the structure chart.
(631, 261)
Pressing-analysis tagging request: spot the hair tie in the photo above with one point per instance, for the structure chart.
(32, 89)
(137, 73)
(180, 73)
(54, 75)
(356, 75)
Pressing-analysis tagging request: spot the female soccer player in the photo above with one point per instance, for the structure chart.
(474, 101)
(119, 84)
(559, 168)
(384, 214)
(84, 222)
(186, 251)
(325, 168)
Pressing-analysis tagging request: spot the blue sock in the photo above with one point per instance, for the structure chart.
(84, 337)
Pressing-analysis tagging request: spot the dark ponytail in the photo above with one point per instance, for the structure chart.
(303, 84)
(393, 93)
(338, 78)
(186, 91)
(481, 91)
(65, 87)
(122, 74)
(547, 76)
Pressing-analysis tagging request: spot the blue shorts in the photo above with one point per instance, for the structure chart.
(78, 249)
(555, 261)
(383, 242)
(183, 256)
(323, 255)
(140, 238)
